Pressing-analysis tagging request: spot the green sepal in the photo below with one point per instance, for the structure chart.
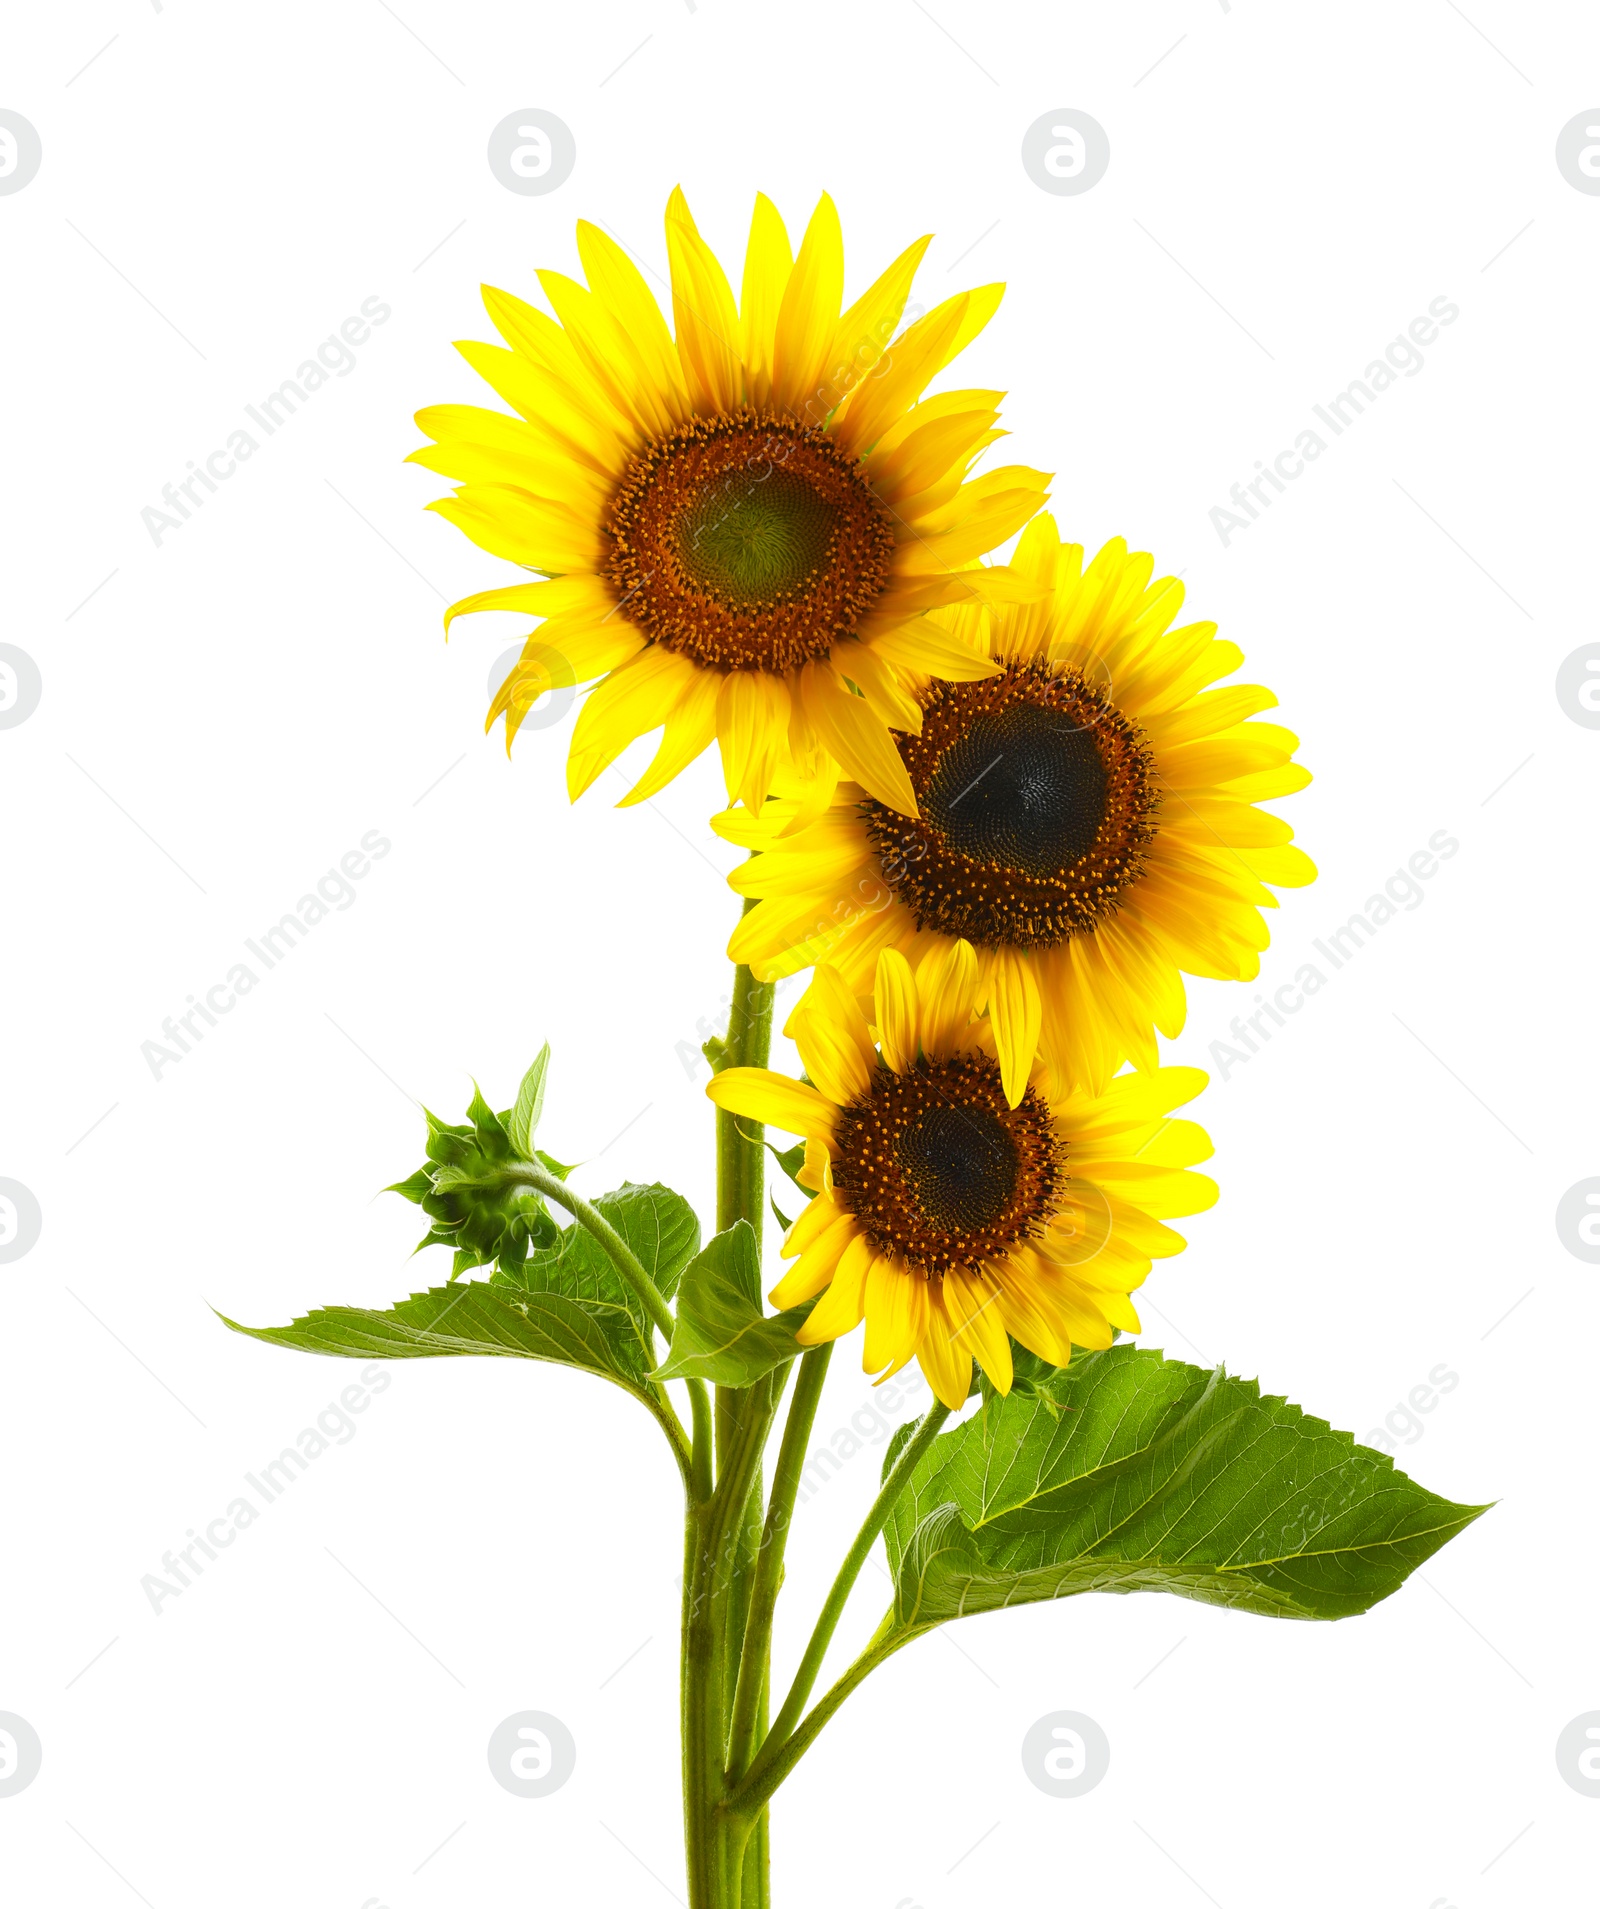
(721, 1333)
(523, 1119)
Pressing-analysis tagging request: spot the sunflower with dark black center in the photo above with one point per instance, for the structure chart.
(1086, 819)
(1035, 796)
(950, 1217)
(742, 525)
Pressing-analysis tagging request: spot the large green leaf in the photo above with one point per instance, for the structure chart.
(502, 1321)
(1144, 1474)
(721, 1333)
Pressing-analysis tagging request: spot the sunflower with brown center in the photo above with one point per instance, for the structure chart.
(1085, 818)
(743, 526)
(949, 1214)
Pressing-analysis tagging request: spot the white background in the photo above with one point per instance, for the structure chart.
(226, 714)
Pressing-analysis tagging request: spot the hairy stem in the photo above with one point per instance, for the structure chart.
(604, 1234)
(696, 1471)
(833, 1607)
(768, 1580)
(741, 1195)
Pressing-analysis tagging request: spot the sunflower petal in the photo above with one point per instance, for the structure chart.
(774, 1100)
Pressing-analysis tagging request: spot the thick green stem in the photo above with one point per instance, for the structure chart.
(767, 1774)
(768, 1580)
(727, 1854)
(833, 1608)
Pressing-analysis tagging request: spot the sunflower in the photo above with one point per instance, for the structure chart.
(1086, 821)
(951, 1215)
(742, 528)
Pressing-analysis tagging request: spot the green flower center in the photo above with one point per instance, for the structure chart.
(755, 538)
(746, 541)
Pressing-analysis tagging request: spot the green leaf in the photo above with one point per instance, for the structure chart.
(475, 1318)
(660, 1227)
(523, 1120)
(1144, 1474)
(721, 1333)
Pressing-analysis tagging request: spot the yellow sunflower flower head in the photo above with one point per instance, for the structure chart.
(950, 1215)
(1086, 821)
(742, 524)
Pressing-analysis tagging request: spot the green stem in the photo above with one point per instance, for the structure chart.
(743, 1419)
(694, 1460)
(600, 1229)
(833, 1608)
(766, 1775)
(741, 1155)
(714, 1842)
(768, 1580)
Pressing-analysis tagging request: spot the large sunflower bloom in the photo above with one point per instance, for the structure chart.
(743, 527)
(1087, 822)
(948, 1214)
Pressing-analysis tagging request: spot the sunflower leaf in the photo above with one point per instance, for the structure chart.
(660, 1226)
(523, 1120)
(1139, 1473)
(501, 1321)
(721, 1333)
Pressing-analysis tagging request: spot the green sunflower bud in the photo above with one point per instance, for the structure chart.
(470, 1188)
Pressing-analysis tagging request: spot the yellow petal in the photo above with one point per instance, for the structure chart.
(691, 726)
(947, 988)
(842, 1306)
(815, 1219)
(630, 703)
(774, 1100)
(1015, 1013)
(703, 313)
(768, 262)
(752, 718)
(828, 1000)
(856, 738)
(809, 315)
(557, 656)
(925, 646)
(978, 1325)
(549, 597)
(916, 357)
(816, 1266)
(866, 328)
(528, 530)
(945, 1365)
(897, 1316)
(895, 1006)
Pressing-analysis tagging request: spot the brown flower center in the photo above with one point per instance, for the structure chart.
(939, 1171)
(746, 541)
(1036, 795)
